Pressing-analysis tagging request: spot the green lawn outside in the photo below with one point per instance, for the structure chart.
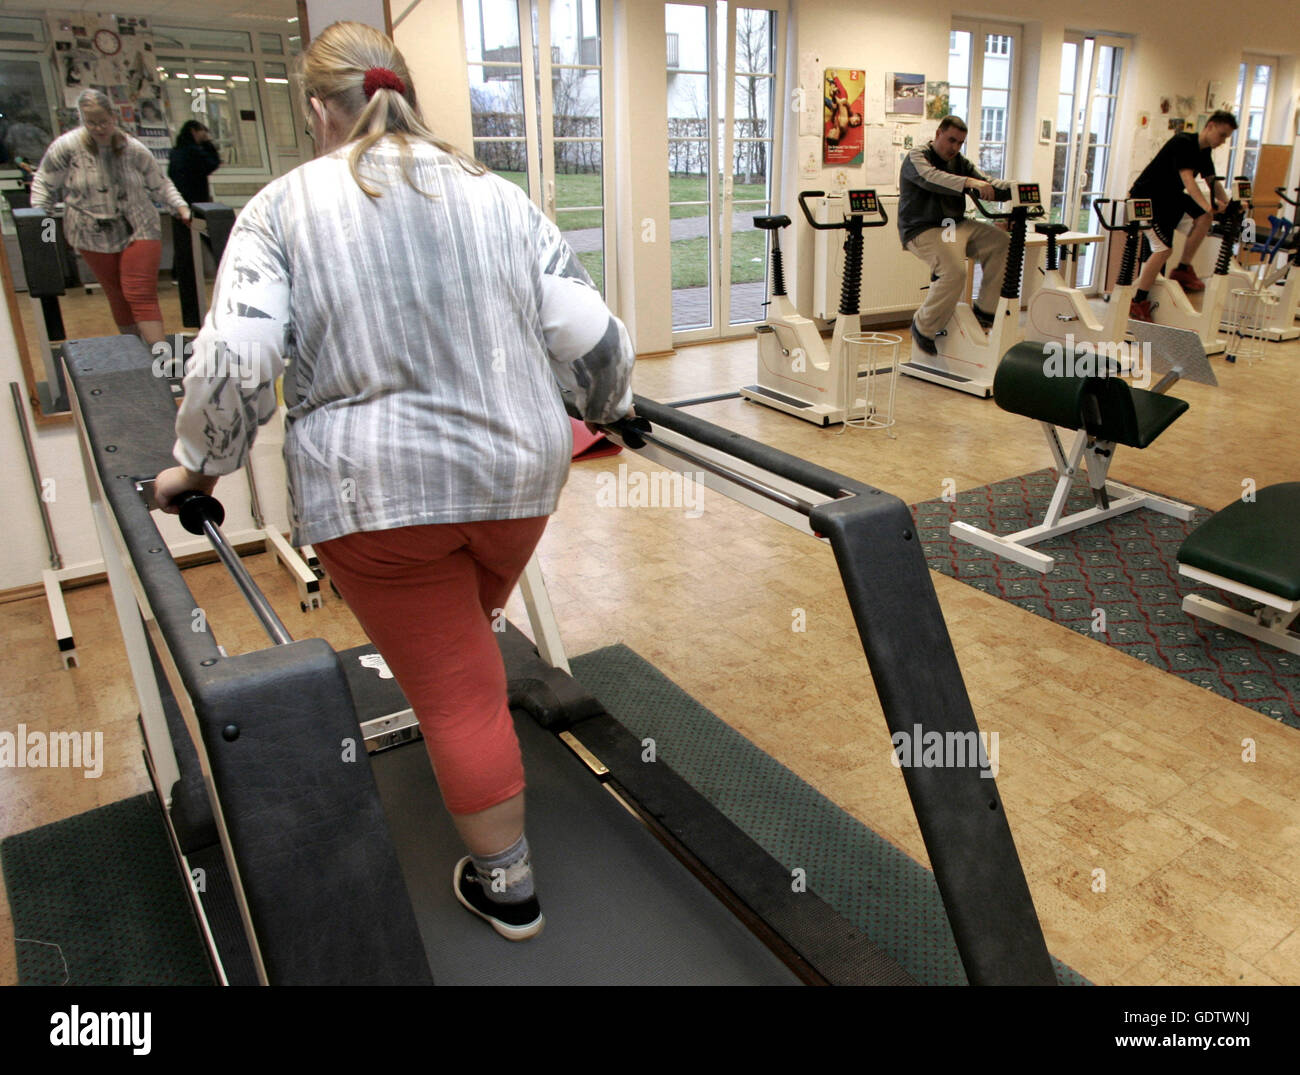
(690, 257)
(691, 260)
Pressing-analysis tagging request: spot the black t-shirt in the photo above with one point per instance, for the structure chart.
(1161, 179)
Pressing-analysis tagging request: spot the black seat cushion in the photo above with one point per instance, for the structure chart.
(1256, 544)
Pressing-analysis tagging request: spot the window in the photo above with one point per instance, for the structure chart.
(538, 112)
(245, 101)
(27, 30)
(1092, 69)
(982, 60)
(993, 125)
(194, 39)
(1254, 85)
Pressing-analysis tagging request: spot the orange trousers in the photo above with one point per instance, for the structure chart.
(428, 596)
(129, 280)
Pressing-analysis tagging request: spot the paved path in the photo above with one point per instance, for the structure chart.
(584, 240)
(691, 304)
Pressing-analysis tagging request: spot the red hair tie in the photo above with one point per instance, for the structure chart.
(381, 78)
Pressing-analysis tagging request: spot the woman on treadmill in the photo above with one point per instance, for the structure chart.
(425, 315)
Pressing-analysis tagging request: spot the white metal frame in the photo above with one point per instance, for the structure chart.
(1271, 623)
(1096, 456)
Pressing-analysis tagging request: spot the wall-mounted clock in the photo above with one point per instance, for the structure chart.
(108, 42)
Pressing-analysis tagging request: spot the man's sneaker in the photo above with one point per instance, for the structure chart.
(1188, 278)
(514, 921)
(985, 320)
(923, 342)
(1140, 311)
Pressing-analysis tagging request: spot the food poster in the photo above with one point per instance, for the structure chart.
(842, 114)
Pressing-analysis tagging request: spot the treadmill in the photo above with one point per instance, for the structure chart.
(305, 815)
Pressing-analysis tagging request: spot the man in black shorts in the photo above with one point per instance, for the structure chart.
(1170, 182)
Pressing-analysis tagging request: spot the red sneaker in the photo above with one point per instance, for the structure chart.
(1189, 279)
(1139, 311)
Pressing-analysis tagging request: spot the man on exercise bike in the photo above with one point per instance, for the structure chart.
(1170, 182)
(931, 222)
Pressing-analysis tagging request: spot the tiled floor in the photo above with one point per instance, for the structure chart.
(1154, 852)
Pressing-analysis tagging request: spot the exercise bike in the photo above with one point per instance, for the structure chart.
(968, 357)
(1061, 313)
(796, 372)
(1170, 305)
(1278, 287)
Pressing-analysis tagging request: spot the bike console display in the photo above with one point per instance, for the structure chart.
(1026, 194)
(863, 201)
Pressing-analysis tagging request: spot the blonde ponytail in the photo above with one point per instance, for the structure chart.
(334, 69)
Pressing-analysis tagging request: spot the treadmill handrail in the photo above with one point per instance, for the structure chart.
(886, 579)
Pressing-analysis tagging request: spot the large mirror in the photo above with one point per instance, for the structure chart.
(158, 73)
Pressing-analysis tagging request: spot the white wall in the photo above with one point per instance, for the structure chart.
(1177, 47)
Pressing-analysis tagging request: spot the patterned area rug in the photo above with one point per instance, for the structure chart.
(1125, 568)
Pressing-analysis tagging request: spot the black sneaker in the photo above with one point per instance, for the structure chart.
(985, 320)
(923, 342)
(514, 921)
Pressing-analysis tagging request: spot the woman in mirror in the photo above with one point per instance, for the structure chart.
(109, 183)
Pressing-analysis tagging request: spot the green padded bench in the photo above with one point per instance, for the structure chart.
(1251, 549)
(1104, 412)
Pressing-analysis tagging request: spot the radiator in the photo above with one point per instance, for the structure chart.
(892, 278)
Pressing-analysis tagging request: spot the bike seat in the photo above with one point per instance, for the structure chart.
(771, 223)
(1051, 229)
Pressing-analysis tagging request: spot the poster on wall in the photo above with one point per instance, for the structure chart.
(113, 54)
(843, 102)
(905, 95)
(937, 103)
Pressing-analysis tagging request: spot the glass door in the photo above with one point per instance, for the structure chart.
(539, 113)
(723, 133)
(1254, 78)
(1092, 70)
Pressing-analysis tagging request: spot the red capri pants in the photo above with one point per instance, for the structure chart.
(427, 597)
(129, 280)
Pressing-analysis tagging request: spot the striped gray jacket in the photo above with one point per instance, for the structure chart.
(423, 341)
(109, 196)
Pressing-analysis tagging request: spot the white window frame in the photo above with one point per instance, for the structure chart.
(539, 134)
(978, 29)
(1252, 61)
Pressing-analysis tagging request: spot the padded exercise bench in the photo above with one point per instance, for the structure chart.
(1105, 411)
(1250, 549)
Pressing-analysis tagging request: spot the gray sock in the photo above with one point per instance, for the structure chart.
(507, 876)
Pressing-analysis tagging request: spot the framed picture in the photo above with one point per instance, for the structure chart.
(905, 95)
(1044, 132)
(936, 99)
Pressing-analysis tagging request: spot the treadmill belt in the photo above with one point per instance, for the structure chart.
(620, 909)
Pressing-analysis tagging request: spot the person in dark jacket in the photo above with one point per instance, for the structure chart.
(193, 159)
(932, 187)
